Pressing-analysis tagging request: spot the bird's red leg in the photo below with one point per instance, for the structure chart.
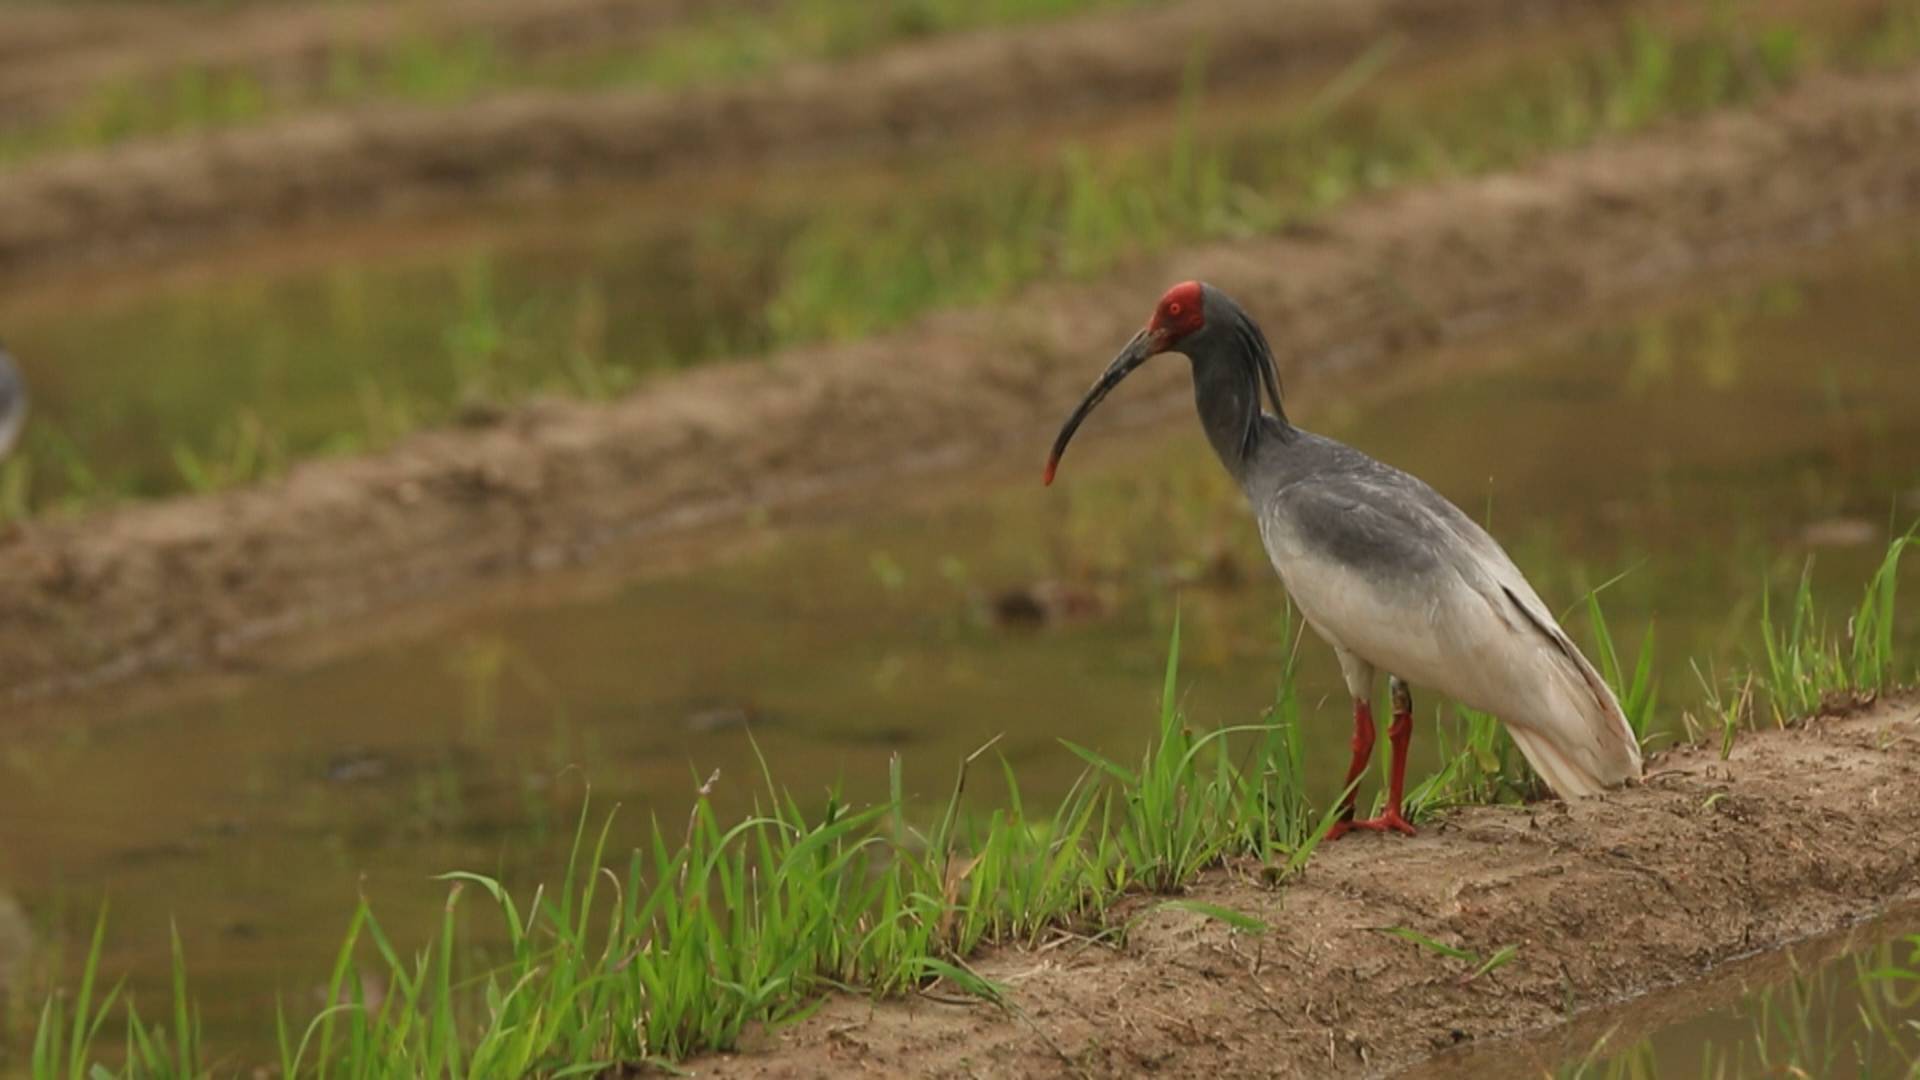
(1362, 754)
(1400, 734)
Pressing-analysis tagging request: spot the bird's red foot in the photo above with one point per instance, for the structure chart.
(1391, 821)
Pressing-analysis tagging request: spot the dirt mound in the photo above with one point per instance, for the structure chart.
(180, 582)
(55, 56)
(1803, 832)
(163, 196)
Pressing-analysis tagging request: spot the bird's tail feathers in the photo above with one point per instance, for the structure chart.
(1579, 740)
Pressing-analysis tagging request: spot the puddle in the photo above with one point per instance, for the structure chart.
(1698, 449)
(1820, 1008)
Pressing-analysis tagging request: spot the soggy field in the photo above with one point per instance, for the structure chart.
(345, 556)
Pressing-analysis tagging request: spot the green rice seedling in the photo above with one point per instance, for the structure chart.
(1729, 713)
(1271, 811)
(1639, 694)
(1636, 1062)
(1481, 965)
(1480, 764)
(1032, 874)
(62, 1047)
(72, 1048)
(1172, 815)
(1237, 920)
(1870, 651)
(243, 452)
(1805, 662)
(440, 72)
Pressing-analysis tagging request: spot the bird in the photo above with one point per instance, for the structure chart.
(1383, 568)
(13, 403)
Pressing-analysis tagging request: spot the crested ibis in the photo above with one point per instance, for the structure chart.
(1387, 571)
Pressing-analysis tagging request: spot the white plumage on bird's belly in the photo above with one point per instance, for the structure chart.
(1373, 619)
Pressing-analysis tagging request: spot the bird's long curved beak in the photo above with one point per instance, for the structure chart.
(1145, 345)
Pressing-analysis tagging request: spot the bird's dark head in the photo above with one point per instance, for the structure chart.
(1192, 318)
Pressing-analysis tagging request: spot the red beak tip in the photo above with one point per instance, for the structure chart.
(1047, 480)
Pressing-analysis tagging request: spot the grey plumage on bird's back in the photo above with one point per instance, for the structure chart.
(1354, 509)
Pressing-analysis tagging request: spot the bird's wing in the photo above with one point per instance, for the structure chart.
(1360, 523)
(1579, 738)
(1494, 575)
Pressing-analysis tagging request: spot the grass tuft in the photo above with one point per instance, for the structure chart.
(1806, 662)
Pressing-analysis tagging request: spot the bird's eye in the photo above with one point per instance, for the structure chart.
(1173, 309)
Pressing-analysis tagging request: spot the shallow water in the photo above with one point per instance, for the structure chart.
(1824, 1007)
(1700, 450)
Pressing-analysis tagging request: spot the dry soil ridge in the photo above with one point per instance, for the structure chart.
(1800, 834)
(181, 581)
(55, 55)
(163, 196)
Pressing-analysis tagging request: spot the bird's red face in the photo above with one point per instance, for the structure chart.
(1177, 314)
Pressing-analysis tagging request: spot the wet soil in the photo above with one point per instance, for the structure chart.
(1801, 833)
(162, 197)
(178, 583)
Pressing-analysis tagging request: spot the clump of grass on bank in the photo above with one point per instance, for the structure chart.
(1807, 661)
(716, 926)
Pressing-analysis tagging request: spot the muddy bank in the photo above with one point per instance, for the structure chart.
(58, 56)
(164, 196)
(1799, 834)
(195, 579)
